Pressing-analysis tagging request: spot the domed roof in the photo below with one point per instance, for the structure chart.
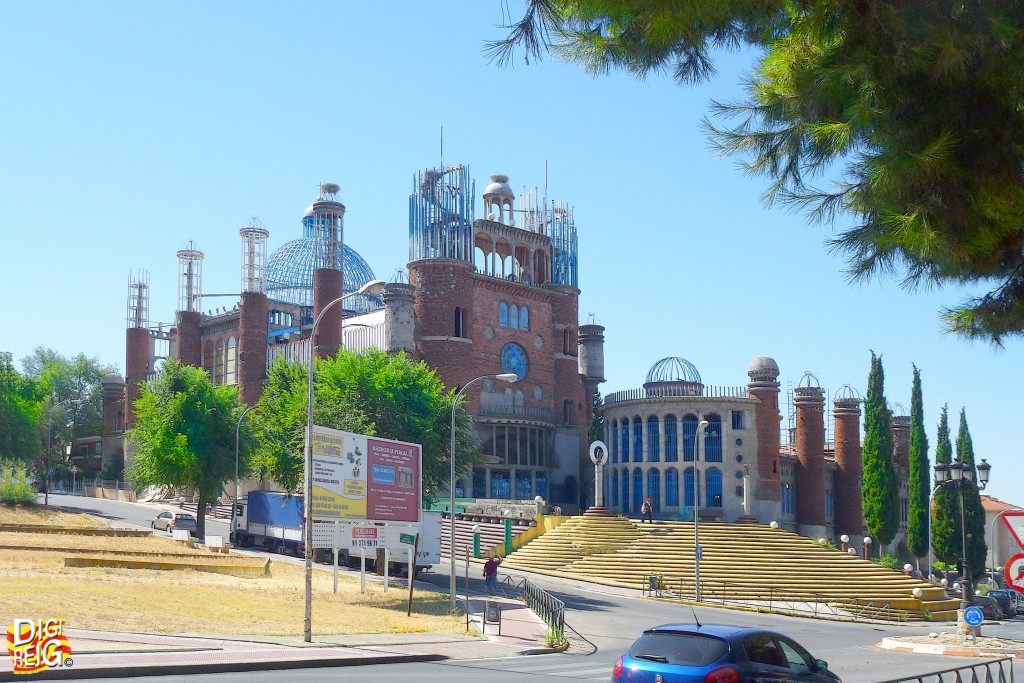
(112, 378)
(290, 274)
(499, 185)
(673, 369)
(763, 368)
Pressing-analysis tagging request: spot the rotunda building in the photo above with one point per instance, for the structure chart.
(651, 433)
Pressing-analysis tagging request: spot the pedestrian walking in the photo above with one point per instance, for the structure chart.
(646, 512)
(491, 574)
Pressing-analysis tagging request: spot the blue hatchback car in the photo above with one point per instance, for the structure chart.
(711, 653)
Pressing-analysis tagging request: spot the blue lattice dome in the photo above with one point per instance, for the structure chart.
(290, 274)
(673, 369)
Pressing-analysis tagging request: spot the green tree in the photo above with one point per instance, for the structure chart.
(914, 111)
(946, 533)
(185, 435)
(919, 484)
(881, 504)
(373, 393)
(19, 414)
(974, 513)
(77, 381)
(596, 430)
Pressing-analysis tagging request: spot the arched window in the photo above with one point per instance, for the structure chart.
(671, 440)
(638, 440)
(218, 365)
(565, 342)
(500, 485)
(671, 488)
(615, 442)
(542, 485)
(460, 489)
(689, 436)
(713, 488)
(566, 411)
(230, 362)
(654, 488)
(513, 317)
(688, 487)
(524, 318)
(615, 489)
(458, 322)
(625, 490)
(524, 486)
(713, 439)
(638, 488)
(624, 439)
(653, 440)
(503, 314)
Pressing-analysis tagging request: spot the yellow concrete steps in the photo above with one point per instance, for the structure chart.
(746, 561)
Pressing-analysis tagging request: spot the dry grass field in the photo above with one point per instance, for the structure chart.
(36, 584)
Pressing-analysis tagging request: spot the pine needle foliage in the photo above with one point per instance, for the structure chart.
(904, 120)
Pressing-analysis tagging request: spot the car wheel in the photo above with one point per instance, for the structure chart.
(152, 525)
(281, 549)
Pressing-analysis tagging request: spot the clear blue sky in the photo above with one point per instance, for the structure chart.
(132, 128)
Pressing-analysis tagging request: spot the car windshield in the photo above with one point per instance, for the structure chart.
(682, 649)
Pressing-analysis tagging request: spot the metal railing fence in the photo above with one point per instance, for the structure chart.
(546, 606)
(989, 671)
(779, 600)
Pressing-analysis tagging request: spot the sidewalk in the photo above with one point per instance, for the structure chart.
(100, 654)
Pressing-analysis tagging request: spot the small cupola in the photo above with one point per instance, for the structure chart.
(499, 200)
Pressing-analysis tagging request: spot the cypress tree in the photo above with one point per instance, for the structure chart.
(881, 501)
(919, 484)
(946, 506)
(974, 513)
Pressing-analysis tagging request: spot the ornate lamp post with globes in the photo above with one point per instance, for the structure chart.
(960, 475)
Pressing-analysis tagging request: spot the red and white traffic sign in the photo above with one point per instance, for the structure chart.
(1014, 521)
(1014, 572)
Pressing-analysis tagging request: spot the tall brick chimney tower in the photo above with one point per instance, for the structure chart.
(764, 386)
(253, 322)
(810, 455)
(136, 361)
(849, 508)
(190, 298)
(328, 215)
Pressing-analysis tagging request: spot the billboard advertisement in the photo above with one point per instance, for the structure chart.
(364, 478)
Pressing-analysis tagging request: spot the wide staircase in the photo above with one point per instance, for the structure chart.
(749, 564)
(492, 533)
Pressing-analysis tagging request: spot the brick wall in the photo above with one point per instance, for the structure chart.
(849, 509)
(252, 346)
(810, 454)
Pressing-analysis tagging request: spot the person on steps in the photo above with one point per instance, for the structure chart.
(646, 511)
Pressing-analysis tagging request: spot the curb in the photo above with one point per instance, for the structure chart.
(897, 645)
(219, 667)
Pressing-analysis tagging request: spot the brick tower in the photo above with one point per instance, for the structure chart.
(253, 315)
(810, 454)
(328, 228)
(849, 508)
(136, 360)
(190, 298)
(901, 443)
(764, 386)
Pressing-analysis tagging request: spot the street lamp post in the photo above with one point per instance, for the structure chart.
(504, 377)
(371, 287)
(697, 552)
(234, 503)
(960, 475)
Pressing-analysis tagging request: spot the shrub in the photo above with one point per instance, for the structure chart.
(888, 560)
(16, 485)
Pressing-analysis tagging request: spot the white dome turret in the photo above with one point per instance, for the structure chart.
(499, 200)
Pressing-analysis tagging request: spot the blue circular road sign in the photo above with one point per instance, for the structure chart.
(974, 616)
